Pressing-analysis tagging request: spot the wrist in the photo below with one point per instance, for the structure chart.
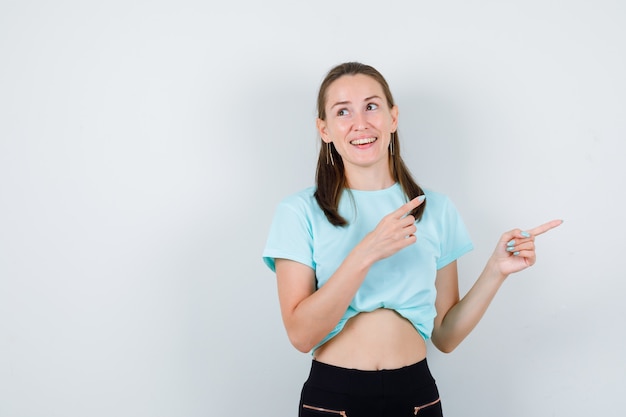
(363, 255)
(493, 271)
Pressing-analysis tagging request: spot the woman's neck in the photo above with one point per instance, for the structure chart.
(367, 179)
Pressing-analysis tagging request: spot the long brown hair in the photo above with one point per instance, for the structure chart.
(331, 177)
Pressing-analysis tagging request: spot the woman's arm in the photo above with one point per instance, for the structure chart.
(456, 318)
(309, 315)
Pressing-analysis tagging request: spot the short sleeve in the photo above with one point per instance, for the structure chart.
(290, 236)
(455, 239)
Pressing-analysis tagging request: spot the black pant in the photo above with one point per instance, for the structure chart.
(333, 391)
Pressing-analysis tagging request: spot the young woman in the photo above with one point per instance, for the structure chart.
(366, 262)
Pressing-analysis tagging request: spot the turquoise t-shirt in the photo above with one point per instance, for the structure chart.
(404, 282)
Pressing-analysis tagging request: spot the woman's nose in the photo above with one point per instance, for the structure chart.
(360, 120)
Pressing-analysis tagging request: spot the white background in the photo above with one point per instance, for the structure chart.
(145, 144)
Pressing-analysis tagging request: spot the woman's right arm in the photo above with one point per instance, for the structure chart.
(309, 315)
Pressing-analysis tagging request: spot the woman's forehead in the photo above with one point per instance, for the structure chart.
(353, 87)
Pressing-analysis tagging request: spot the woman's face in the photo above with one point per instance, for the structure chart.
(358, 121)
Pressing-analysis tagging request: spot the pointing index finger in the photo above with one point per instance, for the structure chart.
(545, 227)
(408, 207)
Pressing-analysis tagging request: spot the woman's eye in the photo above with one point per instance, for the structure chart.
(372, 106)
(342, 112)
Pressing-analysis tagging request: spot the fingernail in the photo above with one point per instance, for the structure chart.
(421, 198)
(515, 253)
(510, 249)
(511, 243)
(525, 234)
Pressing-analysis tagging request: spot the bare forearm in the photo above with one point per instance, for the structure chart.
(514, 252)
(463, 317)
(315, 316)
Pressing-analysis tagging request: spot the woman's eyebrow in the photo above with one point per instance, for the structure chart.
(343, 103)
(340, 103)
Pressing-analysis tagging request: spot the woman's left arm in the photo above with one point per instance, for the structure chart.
(456, 317)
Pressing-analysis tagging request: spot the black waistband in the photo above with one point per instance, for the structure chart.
(355, 381)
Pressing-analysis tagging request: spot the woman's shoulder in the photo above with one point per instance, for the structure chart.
(435, 197)
(302, 199)
(439, 205)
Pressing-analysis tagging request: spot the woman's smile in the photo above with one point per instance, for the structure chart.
(363, 143)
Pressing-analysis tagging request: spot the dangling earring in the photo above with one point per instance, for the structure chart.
(329, 154)
(391, 143)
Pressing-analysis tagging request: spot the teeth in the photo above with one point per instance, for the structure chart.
(362, 141)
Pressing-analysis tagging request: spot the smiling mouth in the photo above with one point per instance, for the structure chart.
(363, 141)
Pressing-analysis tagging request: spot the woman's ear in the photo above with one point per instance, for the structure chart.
(323, 130)
(394, 118)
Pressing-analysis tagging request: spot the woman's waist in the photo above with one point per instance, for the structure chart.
(381, 339)
(407, 379)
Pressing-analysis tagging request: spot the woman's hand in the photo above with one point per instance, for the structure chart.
(456, 318)
(394, 232)
(516, 249)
